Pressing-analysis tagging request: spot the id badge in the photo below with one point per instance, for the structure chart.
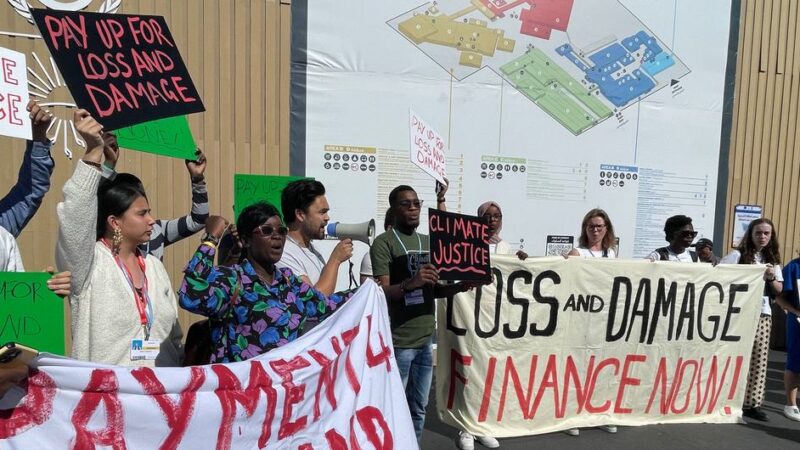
(414, 298)
(145, 349)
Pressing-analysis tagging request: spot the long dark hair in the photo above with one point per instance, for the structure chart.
(114, 197)
(771, 252)
(609, 240)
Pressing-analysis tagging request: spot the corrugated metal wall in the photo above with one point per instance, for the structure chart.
(765, 145)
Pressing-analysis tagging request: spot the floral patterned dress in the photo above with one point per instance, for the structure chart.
(247, 316)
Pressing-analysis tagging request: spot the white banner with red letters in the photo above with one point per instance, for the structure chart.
(560, 343)
(335, 388)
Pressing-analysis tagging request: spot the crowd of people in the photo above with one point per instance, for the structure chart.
(261, 282)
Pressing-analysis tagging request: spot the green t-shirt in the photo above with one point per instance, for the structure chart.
(412, 325)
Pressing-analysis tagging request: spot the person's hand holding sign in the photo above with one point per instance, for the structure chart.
(110, 149)
(197, 167)
(40, 121)
(427, 274)
(92, 132)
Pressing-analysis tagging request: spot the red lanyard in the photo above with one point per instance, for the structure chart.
(143, 303)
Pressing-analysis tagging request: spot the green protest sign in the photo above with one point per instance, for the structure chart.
(250, 189)
(30, 313)
(168, 137)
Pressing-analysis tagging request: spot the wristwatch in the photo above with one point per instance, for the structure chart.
(208, 237)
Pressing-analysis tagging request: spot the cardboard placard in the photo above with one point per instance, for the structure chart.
(426, 148)
(250, 189)
(30, 313)
(459, 246)
(168, 137)
(14, 119)
(123, 69)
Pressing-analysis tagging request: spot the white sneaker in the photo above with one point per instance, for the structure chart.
(488, 441)
(573, 432)
(609, 428)
(791, 413)
(465, 441)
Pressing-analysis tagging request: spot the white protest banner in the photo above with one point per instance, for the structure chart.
(426, 147)
(560, 343)
(14, 119)
(336, 387)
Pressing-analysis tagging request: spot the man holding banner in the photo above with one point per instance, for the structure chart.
(401, 262)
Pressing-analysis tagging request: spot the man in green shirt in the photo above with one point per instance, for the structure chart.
(401, 263)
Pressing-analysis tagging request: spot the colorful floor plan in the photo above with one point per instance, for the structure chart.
(580, 61)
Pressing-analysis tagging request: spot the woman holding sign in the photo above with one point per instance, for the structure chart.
(124, 310)
(254, 306)
(760, 246)
(597, 236)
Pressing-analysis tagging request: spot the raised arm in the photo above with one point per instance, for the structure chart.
(77, 214)
(206, 289)
(183, 227)
(23, 200)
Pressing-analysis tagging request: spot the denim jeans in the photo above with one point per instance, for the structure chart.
(416, 372)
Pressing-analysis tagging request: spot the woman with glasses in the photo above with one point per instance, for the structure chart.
(679, 232)
(760, 246)
(254, 306)
(597, 236)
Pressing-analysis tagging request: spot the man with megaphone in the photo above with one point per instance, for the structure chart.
(305, 211)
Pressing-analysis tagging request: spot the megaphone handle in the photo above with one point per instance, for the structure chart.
(352, 277)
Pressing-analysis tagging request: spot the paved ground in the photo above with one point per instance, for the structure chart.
(778, 433)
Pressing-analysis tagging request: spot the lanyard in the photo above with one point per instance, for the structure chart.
(419, 241)
(142, 299)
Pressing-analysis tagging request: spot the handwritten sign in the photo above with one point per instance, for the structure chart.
(251, 189)
(459, 246)
(30, 313)
(335, 388)
(14, 119)
(426, 148)
(557, 343)
(123, 69)
(168, 137)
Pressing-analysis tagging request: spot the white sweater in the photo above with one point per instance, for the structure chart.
(104, 314)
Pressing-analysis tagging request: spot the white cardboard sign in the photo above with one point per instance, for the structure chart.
(14, 119)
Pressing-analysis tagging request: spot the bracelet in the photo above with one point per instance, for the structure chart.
(403, 285)
(770, 280)
(210, 244)
(210, 238)
(440, 200)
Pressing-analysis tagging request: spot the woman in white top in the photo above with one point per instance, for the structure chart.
(124, 310)
(760, 246)
(597, 236)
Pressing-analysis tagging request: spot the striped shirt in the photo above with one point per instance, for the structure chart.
(167, 232)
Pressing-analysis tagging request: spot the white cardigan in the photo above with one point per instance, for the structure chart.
(104, 314)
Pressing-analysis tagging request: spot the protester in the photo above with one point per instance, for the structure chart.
(597, 238)
(789, 300)
(400, 263)
(759, 246)
(168, 232)
(679, 232)
(23, 200)
(705, 251)
(254, 306)
(19, 206)
(119, 295)
(305, 210)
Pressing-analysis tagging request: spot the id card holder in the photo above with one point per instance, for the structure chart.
(414, 297)
(145, 349)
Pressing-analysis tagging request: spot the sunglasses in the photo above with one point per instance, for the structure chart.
(407, 204)
(687, 233)
(268, 230)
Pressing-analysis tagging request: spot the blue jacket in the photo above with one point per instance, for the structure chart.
(23, 200)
